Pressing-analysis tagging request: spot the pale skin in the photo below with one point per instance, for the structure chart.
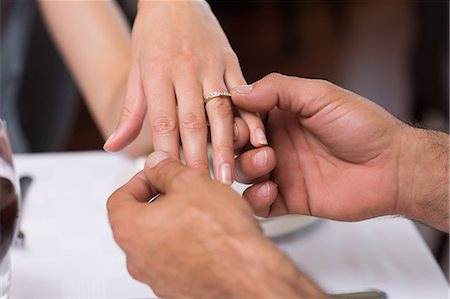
(179, 56)
(97, 50)
(163, 71)
(347, 159)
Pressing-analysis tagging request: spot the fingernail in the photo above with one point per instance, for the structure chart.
(225, 174)
(244, 89)
(155, 158)
(263, 191)
(261, 136)
(235, 131)
(260, 159)
(111, 137)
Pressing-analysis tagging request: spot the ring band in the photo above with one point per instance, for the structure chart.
(216, 94)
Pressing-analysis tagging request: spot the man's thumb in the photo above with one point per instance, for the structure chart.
(297, 95)
(162, 170)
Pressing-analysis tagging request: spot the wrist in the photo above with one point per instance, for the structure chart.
(265, 272)
(142, 4)
(423, 177)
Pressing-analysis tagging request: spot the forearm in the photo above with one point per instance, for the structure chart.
(94, 40)
(428, 178)
(265, 272)
(141, 3)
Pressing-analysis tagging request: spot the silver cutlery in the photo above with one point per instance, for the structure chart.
(361, 294)
(25, 183)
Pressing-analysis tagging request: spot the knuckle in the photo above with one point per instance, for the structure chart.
(199, 164)
(275, 77)
(194, 121)
(120, 233)
(110, 203)
(224, 149)
(133, 271)
(114, 218)
(222, 107)
(126, 112)
(164, 125)
(325, 86)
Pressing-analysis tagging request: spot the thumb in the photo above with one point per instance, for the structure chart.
(131, 116)
(165, 172)
(298, 95)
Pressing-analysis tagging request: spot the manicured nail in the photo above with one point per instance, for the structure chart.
(260, 159)
(108, 141)
(225, 174)
(263, 191)
(244, 89)
(261, 136)
(235, 131)
(155, 158)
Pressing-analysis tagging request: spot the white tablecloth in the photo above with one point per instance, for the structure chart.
(69, 250)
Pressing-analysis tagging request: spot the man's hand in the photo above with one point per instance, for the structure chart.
(198, 239)
(339, 155)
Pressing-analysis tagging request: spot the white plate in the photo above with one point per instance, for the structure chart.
(283, 225)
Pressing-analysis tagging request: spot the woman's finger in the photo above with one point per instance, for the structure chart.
(192, 121)
(162, 110)
(220, 116)
(132, 114)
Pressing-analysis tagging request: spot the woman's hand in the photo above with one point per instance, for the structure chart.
(179, 56)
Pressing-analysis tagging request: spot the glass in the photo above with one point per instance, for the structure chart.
(9, 209)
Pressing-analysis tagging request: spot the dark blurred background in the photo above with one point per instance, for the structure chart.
(392, 52)
(395, 53)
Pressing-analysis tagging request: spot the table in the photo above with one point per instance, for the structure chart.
(70, 253)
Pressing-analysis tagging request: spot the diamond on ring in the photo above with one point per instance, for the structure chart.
(216, 94)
